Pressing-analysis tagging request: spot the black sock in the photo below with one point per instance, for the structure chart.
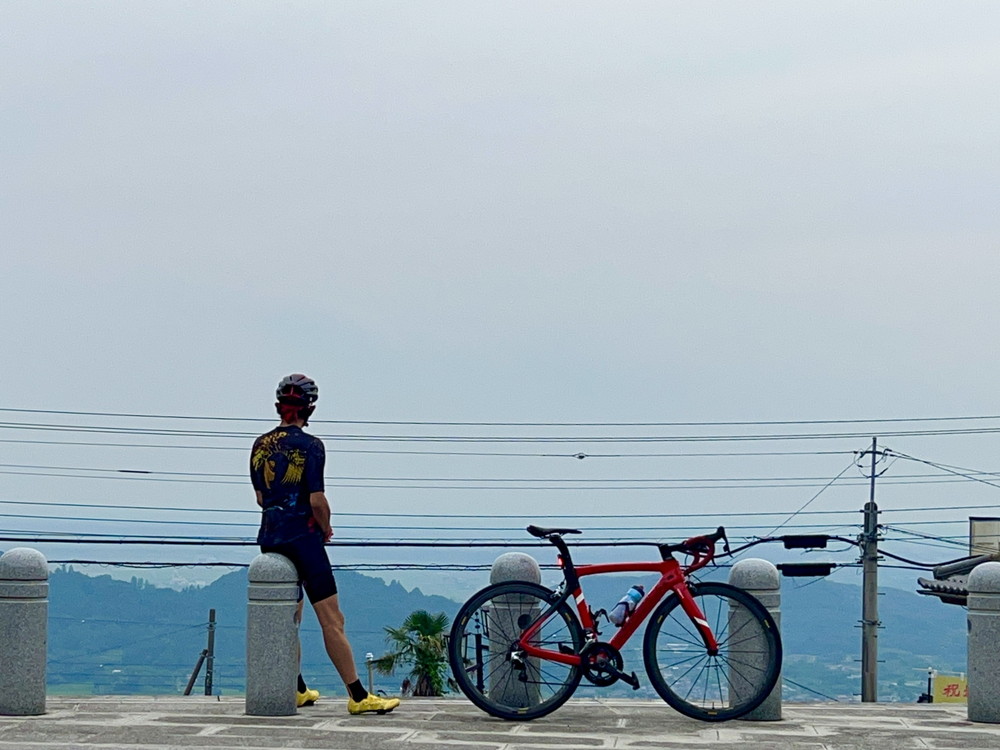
(357, 691)
(302, 685)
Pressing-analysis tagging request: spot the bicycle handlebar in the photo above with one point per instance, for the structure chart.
(700, 544)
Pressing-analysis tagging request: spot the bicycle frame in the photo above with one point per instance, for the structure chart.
(673, 579)
(711, 650)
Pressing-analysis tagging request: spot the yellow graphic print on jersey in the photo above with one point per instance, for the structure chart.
(267, 454)
(265, 447)
(296, 465)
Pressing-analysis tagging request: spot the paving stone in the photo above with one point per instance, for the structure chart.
(171, 723)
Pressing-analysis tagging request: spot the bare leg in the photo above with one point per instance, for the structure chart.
(298, 623)
(331, 620)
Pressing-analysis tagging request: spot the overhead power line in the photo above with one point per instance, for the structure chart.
(505, 480)
(42, 538)
(396, 452)
(553, 439)
(145, 565)
(394, 528)
(254, 511)
(616, 485)
(646, 536)
(810, 501)
(711, 423)
(456, 566)
(449, 516)
(969, 474)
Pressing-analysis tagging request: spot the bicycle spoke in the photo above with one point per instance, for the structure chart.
(690, 633)
(502, 679)
(729, 637)
(715, 686)
(718, 683)
(730, 673)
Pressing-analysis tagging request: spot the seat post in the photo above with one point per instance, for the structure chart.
(569, 570)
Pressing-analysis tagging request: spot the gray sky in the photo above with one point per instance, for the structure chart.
(503, 212)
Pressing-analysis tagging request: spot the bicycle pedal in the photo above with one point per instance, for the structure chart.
(564, 649)
(633, 681)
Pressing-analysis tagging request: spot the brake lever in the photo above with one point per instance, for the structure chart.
(721, 533)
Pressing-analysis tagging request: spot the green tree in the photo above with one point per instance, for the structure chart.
(419, 643)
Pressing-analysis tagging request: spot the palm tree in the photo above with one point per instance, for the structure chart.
(419, 643)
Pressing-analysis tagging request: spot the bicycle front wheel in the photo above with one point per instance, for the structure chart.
(490, 668)
(713, 687)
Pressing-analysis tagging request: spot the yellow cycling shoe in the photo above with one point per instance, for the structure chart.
(372, 703)
(307, 698)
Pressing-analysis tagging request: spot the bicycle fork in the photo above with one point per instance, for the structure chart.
(691, 609)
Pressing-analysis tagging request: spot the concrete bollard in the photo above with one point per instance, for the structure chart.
(984, 635)
(24, 613)
(272, 636)
(760, 579)
(504, 685)
(515, 566)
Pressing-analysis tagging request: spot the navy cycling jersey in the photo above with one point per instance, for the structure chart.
(286, 465)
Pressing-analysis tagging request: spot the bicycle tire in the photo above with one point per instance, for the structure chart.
(721, 687)
(480, 647)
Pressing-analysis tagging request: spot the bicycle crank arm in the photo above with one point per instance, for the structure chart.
(628, 679)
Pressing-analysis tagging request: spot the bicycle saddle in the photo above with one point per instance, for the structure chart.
(545, 533)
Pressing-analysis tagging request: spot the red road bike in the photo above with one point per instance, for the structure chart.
(712, 651)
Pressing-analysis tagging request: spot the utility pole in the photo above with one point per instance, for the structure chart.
(210, 655)
(206, 657)
(869, 604)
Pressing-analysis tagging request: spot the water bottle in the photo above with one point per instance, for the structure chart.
(626, 605)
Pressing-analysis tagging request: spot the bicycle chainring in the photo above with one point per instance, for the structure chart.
(596, 658)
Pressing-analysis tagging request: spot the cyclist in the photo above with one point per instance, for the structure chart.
(286, 469)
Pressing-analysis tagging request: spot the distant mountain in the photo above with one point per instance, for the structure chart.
(112, 636)
(822, 638)
(125, 637)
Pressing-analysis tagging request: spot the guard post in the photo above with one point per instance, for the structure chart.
(272, 636)
(504, 682)
(984, 635)
(760, 579)
(24, 615)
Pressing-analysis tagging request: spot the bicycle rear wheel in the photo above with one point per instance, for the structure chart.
(716, 687)
(490, 669)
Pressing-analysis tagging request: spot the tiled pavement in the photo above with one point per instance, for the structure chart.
(171, 723)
